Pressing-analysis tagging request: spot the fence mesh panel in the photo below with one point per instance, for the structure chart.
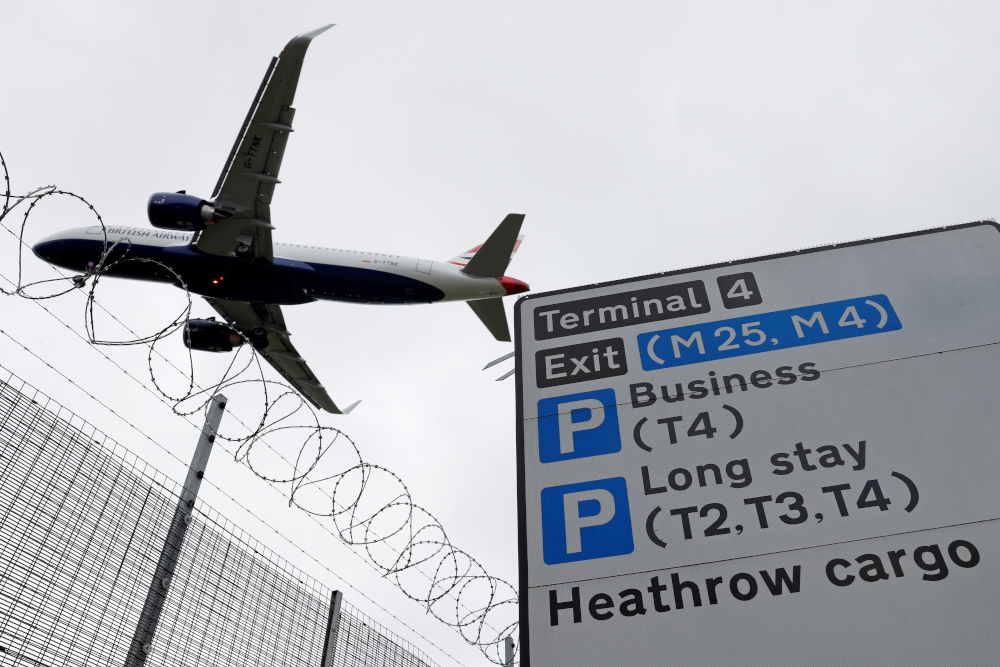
(362, 642)
(82, 524)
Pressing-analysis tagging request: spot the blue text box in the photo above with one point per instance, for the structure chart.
(809, 325)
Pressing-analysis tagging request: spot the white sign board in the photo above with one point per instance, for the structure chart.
(791, 460)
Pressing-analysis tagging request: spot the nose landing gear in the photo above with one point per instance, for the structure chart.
(81, 280)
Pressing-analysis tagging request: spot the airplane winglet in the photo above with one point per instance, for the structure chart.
(302, 41)
(295, 51)
(350, 407)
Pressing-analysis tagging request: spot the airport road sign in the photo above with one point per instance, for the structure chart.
(788, 460)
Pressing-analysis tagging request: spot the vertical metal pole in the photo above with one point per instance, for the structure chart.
(508, 645)
(142, 643)
(332, 627)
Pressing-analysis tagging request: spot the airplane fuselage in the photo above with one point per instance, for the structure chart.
(299, 273)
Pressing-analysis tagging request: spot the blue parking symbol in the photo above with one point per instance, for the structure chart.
(578, 425)
(585, 521)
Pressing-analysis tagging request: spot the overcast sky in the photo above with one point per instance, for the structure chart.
(636, 137)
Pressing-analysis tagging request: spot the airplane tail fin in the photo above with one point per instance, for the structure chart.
(490, 259)
(491, 313)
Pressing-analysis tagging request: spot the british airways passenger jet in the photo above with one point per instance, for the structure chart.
(222, 250)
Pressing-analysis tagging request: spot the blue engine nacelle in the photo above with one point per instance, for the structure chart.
(210, 336)
(177, 210)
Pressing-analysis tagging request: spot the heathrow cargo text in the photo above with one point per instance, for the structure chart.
(853, 565)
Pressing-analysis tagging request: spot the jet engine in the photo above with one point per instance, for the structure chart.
(210, 336)
(178, 210)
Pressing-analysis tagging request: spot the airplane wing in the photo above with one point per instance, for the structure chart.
(247, 182)
(279, 352)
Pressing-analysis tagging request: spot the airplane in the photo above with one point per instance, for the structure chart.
(222, 250)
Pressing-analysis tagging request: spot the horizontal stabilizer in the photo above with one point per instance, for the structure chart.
(491, 313)
(491, 260)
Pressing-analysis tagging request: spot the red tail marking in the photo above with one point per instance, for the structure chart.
(513, 285)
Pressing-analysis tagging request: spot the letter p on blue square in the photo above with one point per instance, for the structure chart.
(585, 521)
(578, 425)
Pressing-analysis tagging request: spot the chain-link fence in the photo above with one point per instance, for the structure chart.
(82, 525)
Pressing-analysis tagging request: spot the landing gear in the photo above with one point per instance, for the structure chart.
(258, 338)
(81, 280)
(244, 247)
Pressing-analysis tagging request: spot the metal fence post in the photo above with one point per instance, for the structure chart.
(142, 642)
(332, 627)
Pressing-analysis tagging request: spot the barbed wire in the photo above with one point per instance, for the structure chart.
(369, 505)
